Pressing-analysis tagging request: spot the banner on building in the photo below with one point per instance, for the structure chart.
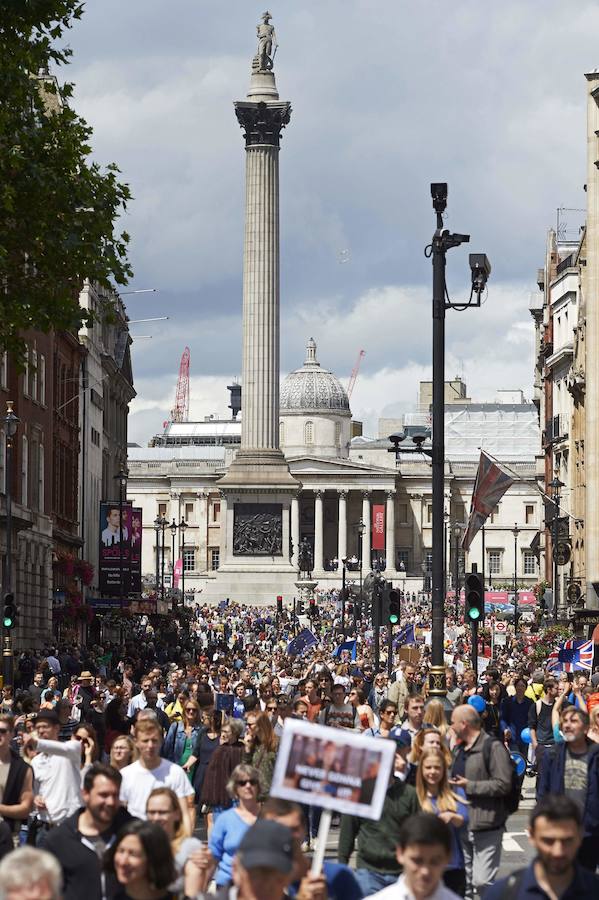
(378, 526)
(177, 573)
(332, 768)
(136, 539)
(114, 555)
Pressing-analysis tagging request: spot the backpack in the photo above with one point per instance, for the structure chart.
(512, 798)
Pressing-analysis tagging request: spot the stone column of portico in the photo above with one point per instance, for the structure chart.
(318, 532)
(342, 532)
(202, 563)
(366, 554)
(295, 530)
(390, 532)
(224, 528)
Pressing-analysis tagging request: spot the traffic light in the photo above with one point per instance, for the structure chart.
(475, 597)
(391, 605)
(279, 605)
(9, 618)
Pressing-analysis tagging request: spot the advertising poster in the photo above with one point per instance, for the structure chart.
(378, 527)
(333, 768)
(136, 537)
(111, 550)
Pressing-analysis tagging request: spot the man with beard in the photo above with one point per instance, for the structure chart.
(555, 832)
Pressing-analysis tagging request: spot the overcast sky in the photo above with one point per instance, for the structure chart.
(387, 96)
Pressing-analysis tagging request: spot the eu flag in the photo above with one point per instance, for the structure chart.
(301, 642)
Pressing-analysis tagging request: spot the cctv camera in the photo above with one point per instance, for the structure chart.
(419, 439)
(439, 195)
(479, 265)
(398, 437)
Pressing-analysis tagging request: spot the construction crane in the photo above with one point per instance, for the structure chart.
(180, 411)
(354, 373)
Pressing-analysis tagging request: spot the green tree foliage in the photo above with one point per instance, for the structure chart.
(58, 207)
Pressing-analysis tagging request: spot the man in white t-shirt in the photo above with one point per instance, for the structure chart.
(56, 772)
(152, 771)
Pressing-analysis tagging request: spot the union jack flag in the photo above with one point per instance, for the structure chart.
(492, 481)
(571, 656)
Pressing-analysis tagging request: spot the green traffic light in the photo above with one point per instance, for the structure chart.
(474, 613)
(8, 622)
(394, 619)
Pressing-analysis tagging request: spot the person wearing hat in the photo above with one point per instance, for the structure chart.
(377, 864)
(56, 772)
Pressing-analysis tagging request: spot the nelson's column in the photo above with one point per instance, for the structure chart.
(258, 488)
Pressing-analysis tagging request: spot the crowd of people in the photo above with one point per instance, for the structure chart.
(145, 770)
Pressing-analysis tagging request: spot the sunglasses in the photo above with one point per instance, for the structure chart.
(4, 730)
(190, 709)
(246, 781)
(272, 708)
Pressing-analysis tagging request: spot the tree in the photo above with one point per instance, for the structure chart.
(58, 207)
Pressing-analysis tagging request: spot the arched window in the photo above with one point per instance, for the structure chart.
(337, 433)
(281, 433)
(309, 433)
(24, 471)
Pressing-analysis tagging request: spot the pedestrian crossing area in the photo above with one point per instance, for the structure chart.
(515, 842)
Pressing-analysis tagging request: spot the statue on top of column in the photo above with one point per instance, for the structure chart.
(267, 40)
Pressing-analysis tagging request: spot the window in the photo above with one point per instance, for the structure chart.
(530, 563)
(34, 488)
(42, 379)
(337, 433)
(402, 513)
(95, 436)
(494, 562)
(34, 381)
(403, 560)
(494, 515)
(529, 511)
(309, 433)
(214, 558)
(41, 479)
(429, 513)
(26, 374)
(189, 559)
(24, 471)
(429, 561)
(162, 509)
(4, 370)
(189, 513)
(216, 512)
(281, 432)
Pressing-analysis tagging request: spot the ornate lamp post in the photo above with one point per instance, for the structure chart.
(361, 528)
(458, 529)
(515, 532)
(157, 533)
(121, 477)
(11, 423)
(555, 486)
(343, 589)
(182, 527)
(173, 527)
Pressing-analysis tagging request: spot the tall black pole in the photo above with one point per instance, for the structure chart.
(173, 539)
(376, 616)
(121, 549)
(182, 527)
(362, 611)
(157, 531)
(343, 562)
(554, 542)
(437, 671)
(456, 580)
(516, 531)
(11, 421)
(162, 568)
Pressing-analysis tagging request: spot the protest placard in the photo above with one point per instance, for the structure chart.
(333, 768)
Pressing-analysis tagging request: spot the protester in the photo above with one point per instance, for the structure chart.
(80, 842)
(338, 713)
(261, 744)
(142, 861)
(16, 777)
(123, 752)
(163, 809)
(230, 827)
(30, 874)
(556, 834)
(539, 720)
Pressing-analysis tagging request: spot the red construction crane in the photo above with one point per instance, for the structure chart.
(354, 373)
(180, 411)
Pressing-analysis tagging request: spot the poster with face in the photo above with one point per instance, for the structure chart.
(333, 768)
(136, 537)
(115, 548)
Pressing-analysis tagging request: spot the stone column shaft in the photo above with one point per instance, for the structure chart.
(367, 531)
(260, 386)
(342, 533)
(295, 530)
(390, 531)
(202, 563)
(318, 533)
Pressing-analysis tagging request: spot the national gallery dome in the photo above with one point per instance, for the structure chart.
(314, 411)
(312, 387)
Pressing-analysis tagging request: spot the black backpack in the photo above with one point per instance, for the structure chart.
(512, 798)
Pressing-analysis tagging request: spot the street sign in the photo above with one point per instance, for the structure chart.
(574, 591)
(500, 633)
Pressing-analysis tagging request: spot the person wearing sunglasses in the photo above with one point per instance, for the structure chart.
(181, 738)
(17, 799)
(231, 825)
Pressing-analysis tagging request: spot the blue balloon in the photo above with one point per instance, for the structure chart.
(520, 763)
(525, 735)
(477, 702)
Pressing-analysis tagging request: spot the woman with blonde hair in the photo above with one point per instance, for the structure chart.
(261, 745)
(593, 732)
(231, 825)
(182, 735)
(123, 752)
(436, 796)
(434, 714)
(162, 808)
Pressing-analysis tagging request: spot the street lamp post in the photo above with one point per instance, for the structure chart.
(343, 575)
(182, 527)
(361, 528)
(173, 536)
(555, 486)
(457, 533)
(11, 422)
(515, 532)
(443, 240)
(157, 523)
